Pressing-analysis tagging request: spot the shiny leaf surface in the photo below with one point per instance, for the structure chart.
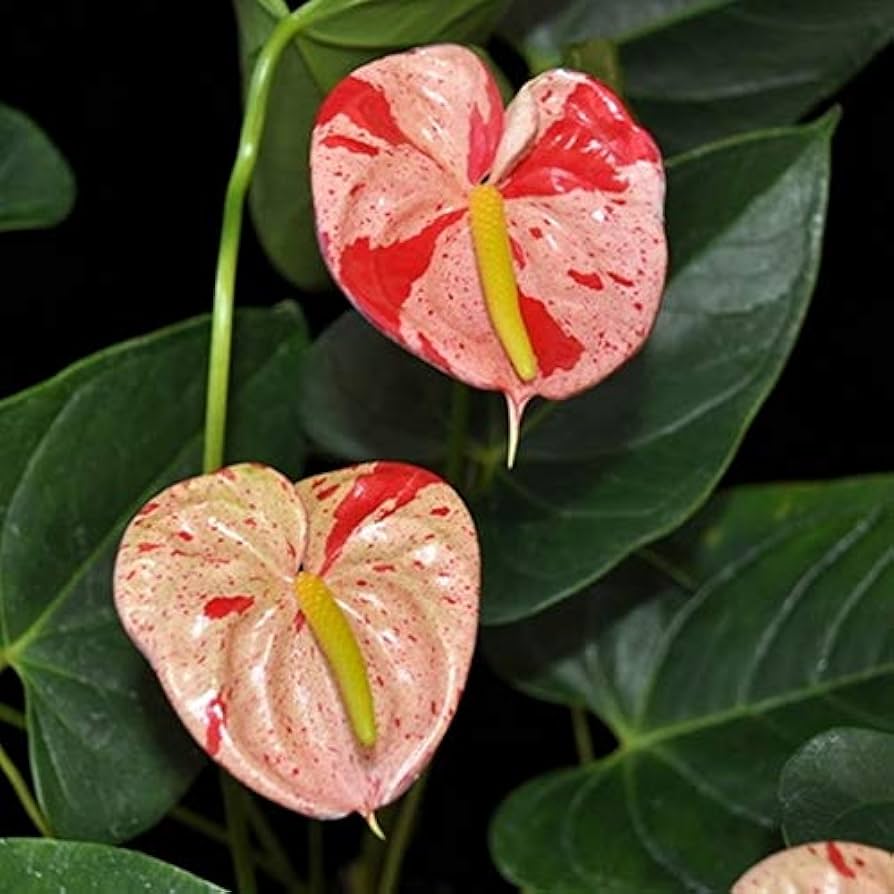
(757, 625)
(840, 785)
(107, 756)
(54, 867)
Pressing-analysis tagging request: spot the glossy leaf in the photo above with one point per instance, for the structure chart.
(205, 584)
(601, 474)
(824, 866)
(762, 622)
(695, 71)
(541, 281)
(840, 784)
(340, 35)
(37, 188)
(107, 756)
(38, 866)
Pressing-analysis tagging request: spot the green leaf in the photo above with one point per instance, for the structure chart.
(840, 785)
(79, 454)
(697, 70)
(37, 188)
(340, 36)
(617, 467)
(762, 622)
(53, 867)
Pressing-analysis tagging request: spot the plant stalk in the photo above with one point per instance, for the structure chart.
(400, 837)
(237, 832)
(26, 799)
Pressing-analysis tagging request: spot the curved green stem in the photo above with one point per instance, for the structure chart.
(26, 799)
(582, 739)
(237, 832)
(231, 229)
(400, 837)
(12, 717)
(274, 850)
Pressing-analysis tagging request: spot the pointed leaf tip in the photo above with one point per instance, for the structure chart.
(374, 826)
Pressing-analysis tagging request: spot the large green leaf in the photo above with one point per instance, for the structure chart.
(626, 462)
(840, 785)
(78, 455)
(696, 70)
(762, 622)
(37, 188)
(53, 867)
(340, 35)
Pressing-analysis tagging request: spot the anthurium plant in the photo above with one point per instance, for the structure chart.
(554, 257)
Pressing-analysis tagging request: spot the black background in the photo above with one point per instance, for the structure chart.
(143, 99)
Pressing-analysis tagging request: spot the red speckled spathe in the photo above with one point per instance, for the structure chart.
(396, 148)
(826, 867)
(216, 616)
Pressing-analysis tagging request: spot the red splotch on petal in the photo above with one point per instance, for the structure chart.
(440, 511)
(588, 280)
(555, 349)
(337, 141)
(221, 606)
(366, 106)
(326, 492)
(386, 482)
(836, 858)
(518, 254)
(299, 621)
(380, 278)
(583, 149)
(215, 717)
(484, 135)
(148, 547)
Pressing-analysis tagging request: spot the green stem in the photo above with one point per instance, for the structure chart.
(225, 279)
(456, 441)
(216, 832)
(582, 739)
(400, 837)
(274, 850)
(316, 867)
(237, 833)
(12, 717)
(20, 787)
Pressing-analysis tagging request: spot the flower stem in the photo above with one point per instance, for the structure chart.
(237, 832)
(582, 738)
(400, 837)
(12, 717)
(20, 787)
(275, 853)
(225, 279)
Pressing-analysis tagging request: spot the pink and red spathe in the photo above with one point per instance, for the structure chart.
(204, 587)
(396, 148)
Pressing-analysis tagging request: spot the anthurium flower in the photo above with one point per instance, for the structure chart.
(520, 251)
(828, 867)
(313, 638)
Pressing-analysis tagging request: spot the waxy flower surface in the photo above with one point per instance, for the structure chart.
(825, 867)
(519, 250)
(209, 584)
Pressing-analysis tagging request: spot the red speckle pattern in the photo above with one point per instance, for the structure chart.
(823, 868)
(583, 187)
(220, 624)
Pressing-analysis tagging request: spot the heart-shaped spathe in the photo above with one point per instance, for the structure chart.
(397, 148)
(825, 867)
(204, 585)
